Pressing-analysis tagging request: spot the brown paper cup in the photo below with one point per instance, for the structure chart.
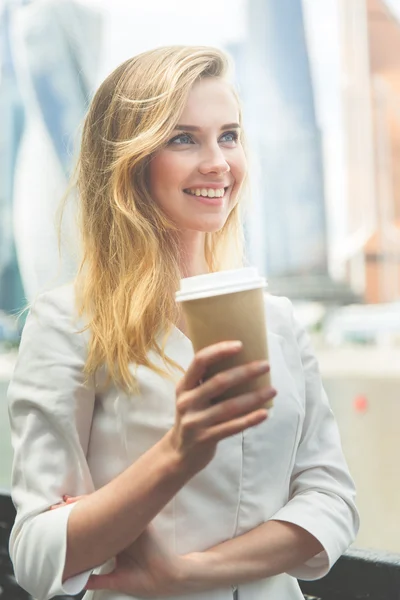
(231, 316)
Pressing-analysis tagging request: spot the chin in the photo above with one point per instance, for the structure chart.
(211, 226)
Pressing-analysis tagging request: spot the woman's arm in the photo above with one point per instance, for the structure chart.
(97, 528)
(149, 569)
(51, 412)
(51, 408)
(321, 489)
(304, 537)
(318, 523)
(269, 549)
(107, 521)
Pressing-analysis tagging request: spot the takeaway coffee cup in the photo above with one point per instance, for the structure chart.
(228, 305)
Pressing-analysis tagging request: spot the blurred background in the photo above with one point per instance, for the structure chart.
(320, 83)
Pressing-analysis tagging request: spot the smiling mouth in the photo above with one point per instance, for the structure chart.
(207, 192)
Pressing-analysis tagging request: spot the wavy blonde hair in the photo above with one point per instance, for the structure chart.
(129, 270)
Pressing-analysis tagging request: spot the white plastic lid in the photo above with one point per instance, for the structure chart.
(222, 282)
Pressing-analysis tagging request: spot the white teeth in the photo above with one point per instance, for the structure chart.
(207, 193)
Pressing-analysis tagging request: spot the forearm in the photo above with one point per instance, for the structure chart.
(269, 549)
(105, 522)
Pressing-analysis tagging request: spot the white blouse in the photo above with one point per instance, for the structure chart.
(71, 438)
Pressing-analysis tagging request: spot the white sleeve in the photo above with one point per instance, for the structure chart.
(50, 408)
(321, 489)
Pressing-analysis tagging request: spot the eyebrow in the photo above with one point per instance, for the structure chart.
(194, 128)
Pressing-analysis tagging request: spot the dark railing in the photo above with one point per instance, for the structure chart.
(358, 574)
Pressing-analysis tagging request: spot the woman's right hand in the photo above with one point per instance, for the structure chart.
(200, 424)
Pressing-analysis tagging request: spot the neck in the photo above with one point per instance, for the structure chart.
(192, 257)
(192, 262)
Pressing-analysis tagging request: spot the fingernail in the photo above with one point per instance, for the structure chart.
(236, 344)
(269, 392)
(263, 366)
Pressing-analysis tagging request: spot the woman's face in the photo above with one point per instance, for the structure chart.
(196, 177)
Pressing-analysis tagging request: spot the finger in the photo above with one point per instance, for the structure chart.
(225, 430)
(204, 359)
(71, 499)
(226, 380)
(234, 408)
(66, 500)
(102, 582)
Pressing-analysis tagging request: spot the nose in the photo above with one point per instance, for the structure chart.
(214, 161)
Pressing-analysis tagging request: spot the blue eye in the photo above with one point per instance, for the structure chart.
(230, 136)
(181, 139)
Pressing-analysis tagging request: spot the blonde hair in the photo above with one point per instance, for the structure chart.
(129, 270)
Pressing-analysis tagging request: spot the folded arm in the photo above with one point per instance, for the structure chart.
(269, 549)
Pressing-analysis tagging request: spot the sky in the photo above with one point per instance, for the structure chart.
(136, 26)
(394, 5)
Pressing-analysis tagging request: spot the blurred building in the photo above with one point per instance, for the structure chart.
(12, 298)
(371, 101)
(48, 74)
(287, 220)
(279, 90)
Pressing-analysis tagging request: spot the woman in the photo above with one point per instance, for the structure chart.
(177, 497)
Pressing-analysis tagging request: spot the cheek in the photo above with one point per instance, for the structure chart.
(239, 167)
(239, 171)
(166, 170)
(158, 171)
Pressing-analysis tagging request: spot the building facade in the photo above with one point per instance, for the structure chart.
(288, 195)
(371, 100)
